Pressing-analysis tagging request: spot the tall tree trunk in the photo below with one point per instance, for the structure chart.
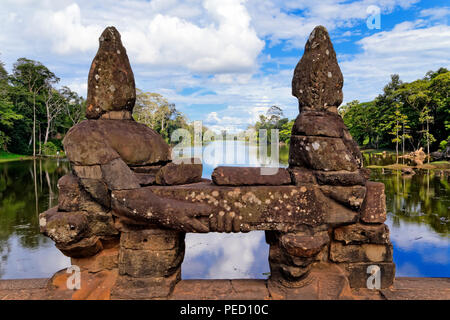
(40, 144)
(403, 145)
(48, 121)
(36, 203)
(47, 131)
(428, 143)
(50, 190)
(396, 143)
(34, 125)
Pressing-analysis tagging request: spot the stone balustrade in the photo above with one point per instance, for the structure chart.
(127, 207)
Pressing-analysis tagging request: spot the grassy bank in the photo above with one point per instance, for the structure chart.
(436, 165)
(6, 156)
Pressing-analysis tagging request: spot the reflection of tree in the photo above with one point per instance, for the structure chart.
(284, 155)
(422, 198)
(5, 249)
(18, 217)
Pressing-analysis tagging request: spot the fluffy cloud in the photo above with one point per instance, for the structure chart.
(223, 47)
(292, 21)
(409, 50)
(65, 30)
(436, 13)
(225, 256)
(155, 32)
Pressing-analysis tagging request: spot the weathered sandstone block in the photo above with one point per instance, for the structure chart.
(117, 115)
(373, 209)
(101, 141)
(106, 259)
(304, 245)
(284, 267)
(318, 81)
(249, 176)
(151, 170)
(101, 224)
(111, 81)
(117, 175)
(360, 253)
(321, 153)
(319, 123)
(301, 176)
(150, 263)
(183, 173)
(86, 247)
(70, 194)
(89, 172)
(152, 239)
(343, 178)
(205, 207)
(362, 233)
(350, 196)
(98, 191)
(142, 288)
(145, 179)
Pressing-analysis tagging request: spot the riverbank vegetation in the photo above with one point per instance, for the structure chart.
(155, 111)
(406, 116)
(36, 113)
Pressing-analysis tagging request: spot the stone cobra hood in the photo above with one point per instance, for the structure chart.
(318, 80)
(111, 85)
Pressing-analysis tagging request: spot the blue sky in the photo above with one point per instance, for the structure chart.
(226, 61)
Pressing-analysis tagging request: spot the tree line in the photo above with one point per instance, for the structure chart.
(405, 116)
(35, 113)
(274, 119)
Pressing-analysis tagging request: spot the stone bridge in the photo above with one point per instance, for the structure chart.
(124, 210)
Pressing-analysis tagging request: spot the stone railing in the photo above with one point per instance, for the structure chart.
(126, 206)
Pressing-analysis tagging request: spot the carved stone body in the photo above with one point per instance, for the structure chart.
(127, 207)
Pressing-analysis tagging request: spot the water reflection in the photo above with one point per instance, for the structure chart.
(418, 217)
(383, 159)
(418, 209)
(27, 188)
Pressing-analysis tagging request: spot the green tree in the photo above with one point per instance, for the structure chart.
(35, 77)
(396, 125)
(285, 131)
(425, 104)
(425, 117)
(7, 113)
(440, 98)
(273, 119)
(153, 110)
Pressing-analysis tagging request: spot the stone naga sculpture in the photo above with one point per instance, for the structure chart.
(125, 194)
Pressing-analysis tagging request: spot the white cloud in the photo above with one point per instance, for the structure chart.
(411, 236)
(230, 256)
(217, 46)
(157, 33)
(436, 13)
(407, 50)
(65, 30)
(276, 21)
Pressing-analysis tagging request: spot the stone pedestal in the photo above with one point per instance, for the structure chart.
(292, 254)
(149, 263)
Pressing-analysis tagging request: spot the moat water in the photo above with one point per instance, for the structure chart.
(418, 218)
